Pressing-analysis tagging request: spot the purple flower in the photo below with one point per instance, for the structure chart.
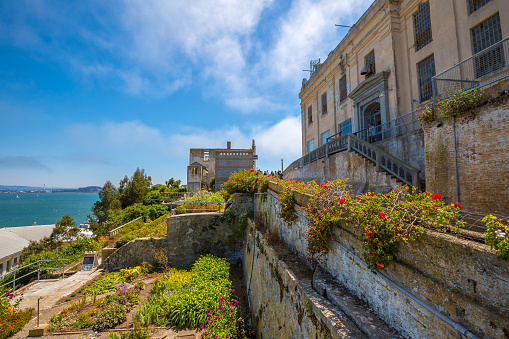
(500, 234)
(102, 306)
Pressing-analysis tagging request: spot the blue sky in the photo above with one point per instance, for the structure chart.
(91, 90)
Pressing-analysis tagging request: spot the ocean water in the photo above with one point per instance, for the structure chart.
(44, 208)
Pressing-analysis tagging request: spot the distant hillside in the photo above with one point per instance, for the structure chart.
(88, 189)
(15, 188)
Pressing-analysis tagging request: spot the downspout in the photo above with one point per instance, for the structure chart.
(349, 91)
(456, 174)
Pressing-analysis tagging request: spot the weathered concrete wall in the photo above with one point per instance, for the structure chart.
(283, 301)
(408, 148)
(193, 235)
(483, 158)
(461, 279)
(134, 253)
(361, 173)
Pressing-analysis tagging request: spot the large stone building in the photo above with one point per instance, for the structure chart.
(382, 70)
(218, 163)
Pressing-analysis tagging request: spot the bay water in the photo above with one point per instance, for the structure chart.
(23, 209)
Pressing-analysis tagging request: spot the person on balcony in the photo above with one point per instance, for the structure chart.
(371, 132)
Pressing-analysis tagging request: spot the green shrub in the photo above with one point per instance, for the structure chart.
(496, 236)
(249, 182)
(462, 101)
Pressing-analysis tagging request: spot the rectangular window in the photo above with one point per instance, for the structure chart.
(369, 62)
(324, 103)
(342, 89)
(310, 115)
(422, 26)
(206, 156)
(425, 71)
(324, 137)
(346, 127)
(194, 170)
(474, 5)
(1, 269)
(311, 145)
(15, 263)
(484, 35)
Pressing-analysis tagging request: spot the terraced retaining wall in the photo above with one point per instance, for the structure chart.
(283, 301)
(460, 279)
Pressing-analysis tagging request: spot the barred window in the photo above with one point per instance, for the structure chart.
(474, 5)
(342, 89)
(422, 26)
(310, 115)
(324, 103)
(426, 71)
(369, 62)
(484, 35)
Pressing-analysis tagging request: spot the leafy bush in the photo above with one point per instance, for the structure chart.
(202, 200)
(190, 299)
(496, 236)
(462, 101)
(249, 182)
(129, 274)
(106, 284)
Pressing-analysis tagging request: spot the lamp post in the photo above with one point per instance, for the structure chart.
(281, 164)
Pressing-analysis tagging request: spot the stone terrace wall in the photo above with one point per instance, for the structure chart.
(461, 279)
(134, 253)
(283, 302)
(483, 159)
(359, 171)
(194, 234)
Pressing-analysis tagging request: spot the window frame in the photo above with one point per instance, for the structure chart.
(310, 115)
(422, 24)
(324, 105)
(343, 89)
(482, 63)
(425, 84)
(322, 140)
(307, 145)
(370, 63)
(474, 5)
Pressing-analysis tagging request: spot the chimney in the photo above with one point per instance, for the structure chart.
(228, 145)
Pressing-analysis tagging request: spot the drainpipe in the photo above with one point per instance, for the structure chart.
(455, 159)
(349, 91)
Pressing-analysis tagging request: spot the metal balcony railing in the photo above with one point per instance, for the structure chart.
(38, 270)
(383, 160)
(486, 67)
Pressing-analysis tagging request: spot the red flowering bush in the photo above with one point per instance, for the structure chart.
(12, 319)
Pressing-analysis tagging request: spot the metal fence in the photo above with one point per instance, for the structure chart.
(200, 203)
(401, 125)
(486, 67)
(115, 231)
(38, 270)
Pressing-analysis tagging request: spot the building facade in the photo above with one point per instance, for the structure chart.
(382, 69)
(218, 163)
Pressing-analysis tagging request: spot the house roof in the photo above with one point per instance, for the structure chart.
(194, 164)
(11, 243)
(35, 232)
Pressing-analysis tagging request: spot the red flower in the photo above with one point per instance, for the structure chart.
(371, 253)
(341, 201)
(381, 215)
(359, 198)
(380, 265)
(372, 194)
(457, 205)
(369, 234)
(427, 193)
(302, 206)
(436, 196)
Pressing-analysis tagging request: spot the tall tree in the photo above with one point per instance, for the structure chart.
(64, 230)
(108, 200)
(133, 190)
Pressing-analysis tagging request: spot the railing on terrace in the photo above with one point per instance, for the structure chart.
(486, 67)
(115, 231)
(206, 203)
(401, 125)
(170, 197)
(383, 160)
(38, 270)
